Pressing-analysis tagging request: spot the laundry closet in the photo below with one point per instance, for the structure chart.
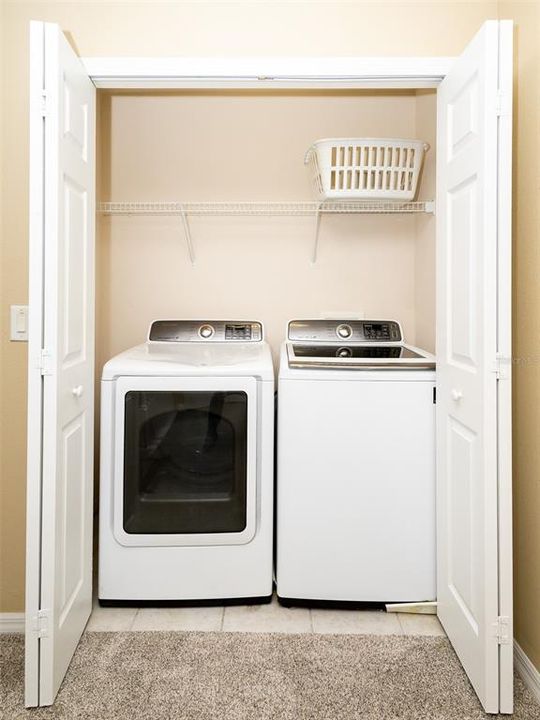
(204, 209)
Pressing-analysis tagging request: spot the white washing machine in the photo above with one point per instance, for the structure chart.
(186, 498)
(355, 465)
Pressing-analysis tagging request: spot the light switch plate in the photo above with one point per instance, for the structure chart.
(19, 323)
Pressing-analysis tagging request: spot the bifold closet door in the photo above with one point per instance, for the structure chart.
(473, 340)
(61, 360)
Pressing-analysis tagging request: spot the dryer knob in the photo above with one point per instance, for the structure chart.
(344, 331)
(206, 331)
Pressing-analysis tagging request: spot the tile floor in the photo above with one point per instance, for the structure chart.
(263, 618)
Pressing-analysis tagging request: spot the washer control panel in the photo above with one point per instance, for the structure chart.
(205, 331)
(338, 331)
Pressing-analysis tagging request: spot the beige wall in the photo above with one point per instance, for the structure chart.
(295, 28)
(526, 323)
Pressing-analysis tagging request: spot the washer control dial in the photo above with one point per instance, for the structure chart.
(344, 331)
(206, 331)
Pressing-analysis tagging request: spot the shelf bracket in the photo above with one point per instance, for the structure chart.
(316, 233)
(187, 233)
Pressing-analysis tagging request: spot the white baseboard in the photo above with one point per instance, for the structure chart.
(11, 623)
(527, 671)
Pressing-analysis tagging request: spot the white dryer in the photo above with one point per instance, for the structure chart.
(186, 487)
(355, 465)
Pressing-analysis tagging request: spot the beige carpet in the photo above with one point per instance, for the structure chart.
(238, 676)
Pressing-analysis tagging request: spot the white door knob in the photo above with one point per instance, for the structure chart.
(456, 394)
(77, 391)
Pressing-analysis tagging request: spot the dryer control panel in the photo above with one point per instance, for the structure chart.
(205, 331)
(345, 331)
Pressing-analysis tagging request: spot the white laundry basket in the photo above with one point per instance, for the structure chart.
(366, 168)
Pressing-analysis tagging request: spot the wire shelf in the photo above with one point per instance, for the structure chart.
(311, 209)
(264, 208)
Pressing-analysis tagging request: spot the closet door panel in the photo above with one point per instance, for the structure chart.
(61, 393)
(468, 328)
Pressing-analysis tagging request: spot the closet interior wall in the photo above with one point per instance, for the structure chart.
(250, 146)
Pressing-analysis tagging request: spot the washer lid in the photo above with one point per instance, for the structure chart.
(192, 359)
(359, 356)
(352, 344)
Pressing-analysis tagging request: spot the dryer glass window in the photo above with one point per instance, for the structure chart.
(185, 462)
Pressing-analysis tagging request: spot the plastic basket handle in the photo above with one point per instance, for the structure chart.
(309, 153)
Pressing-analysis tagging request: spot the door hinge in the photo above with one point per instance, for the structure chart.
(502, 630)
(41, 623)
(501, 366)
(45, 363)
(43, 103)
(502, 104)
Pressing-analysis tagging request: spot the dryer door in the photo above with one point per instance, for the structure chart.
(185, 469)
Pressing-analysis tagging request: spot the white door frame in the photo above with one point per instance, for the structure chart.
(197, 73)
